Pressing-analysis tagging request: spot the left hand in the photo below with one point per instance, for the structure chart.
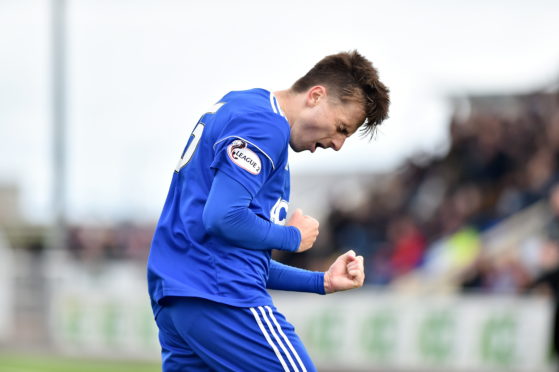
(346, 272)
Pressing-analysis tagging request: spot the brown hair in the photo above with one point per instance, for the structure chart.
(350, 76)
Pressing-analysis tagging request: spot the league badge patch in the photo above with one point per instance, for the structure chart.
(244, 157)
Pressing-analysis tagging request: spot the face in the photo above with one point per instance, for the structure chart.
(324, 122)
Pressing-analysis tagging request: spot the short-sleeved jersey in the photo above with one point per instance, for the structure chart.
(246, 136)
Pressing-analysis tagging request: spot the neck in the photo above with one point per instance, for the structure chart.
(287, 101)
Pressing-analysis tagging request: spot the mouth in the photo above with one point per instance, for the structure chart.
(316, 146)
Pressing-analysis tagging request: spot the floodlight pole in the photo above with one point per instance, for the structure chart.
(58, 83)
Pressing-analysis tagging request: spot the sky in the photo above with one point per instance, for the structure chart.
(141, 72)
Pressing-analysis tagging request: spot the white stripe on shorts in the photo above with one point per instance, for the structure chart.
(303, 369)
(267, 336)
(278, 340)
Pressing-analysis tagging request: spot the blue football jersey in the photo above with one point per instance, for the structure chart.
(246, 136)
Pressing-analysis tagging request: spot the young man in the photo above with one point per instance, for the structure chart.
(210, 261)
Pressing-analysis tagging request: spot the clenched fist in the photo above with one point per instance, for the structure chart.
(347, 272)
(308, 227)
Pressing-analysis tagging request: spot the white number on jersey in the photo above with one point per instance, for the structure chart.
(276, 210)
(192, 144)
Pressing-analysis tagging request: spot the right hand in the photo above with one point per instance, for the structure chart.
(308, 227)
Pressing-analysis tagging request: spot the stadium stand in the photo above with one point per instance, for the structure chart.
(479, 209)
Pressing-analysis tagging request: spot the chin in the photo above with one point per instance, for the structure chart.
(296, 148)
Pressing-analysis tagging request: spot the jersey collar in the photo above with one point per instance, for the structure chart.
(275, 105)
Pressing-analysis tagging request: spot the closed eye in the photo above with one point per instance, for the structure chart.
(342, 129)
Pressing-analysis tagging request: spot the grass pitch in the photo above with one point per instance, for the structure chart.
(39, 363)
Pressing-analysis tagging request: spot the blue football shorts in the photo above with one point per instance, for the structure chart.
(201, 335)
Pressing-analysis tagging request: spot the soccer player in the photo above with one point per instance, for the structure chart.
(210, 262)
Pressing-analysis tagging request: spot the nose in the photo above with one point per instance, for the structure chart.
(338, 142)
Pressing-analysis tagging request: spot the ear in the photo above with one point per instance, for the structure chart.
(315, 94)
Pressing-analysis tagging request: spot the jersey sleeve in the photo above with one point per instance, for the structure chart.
(226, 214)
(250, 147)
(288, 278)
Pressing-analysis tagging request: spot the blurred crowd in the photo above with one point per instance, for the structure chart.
(121, 242)
(503, 156)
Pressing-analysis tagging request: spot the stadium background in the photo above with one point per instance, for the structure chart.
(453, 204)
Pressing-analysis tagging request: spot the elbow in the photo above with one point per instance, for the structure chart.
(221, 222)
(212, 222)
